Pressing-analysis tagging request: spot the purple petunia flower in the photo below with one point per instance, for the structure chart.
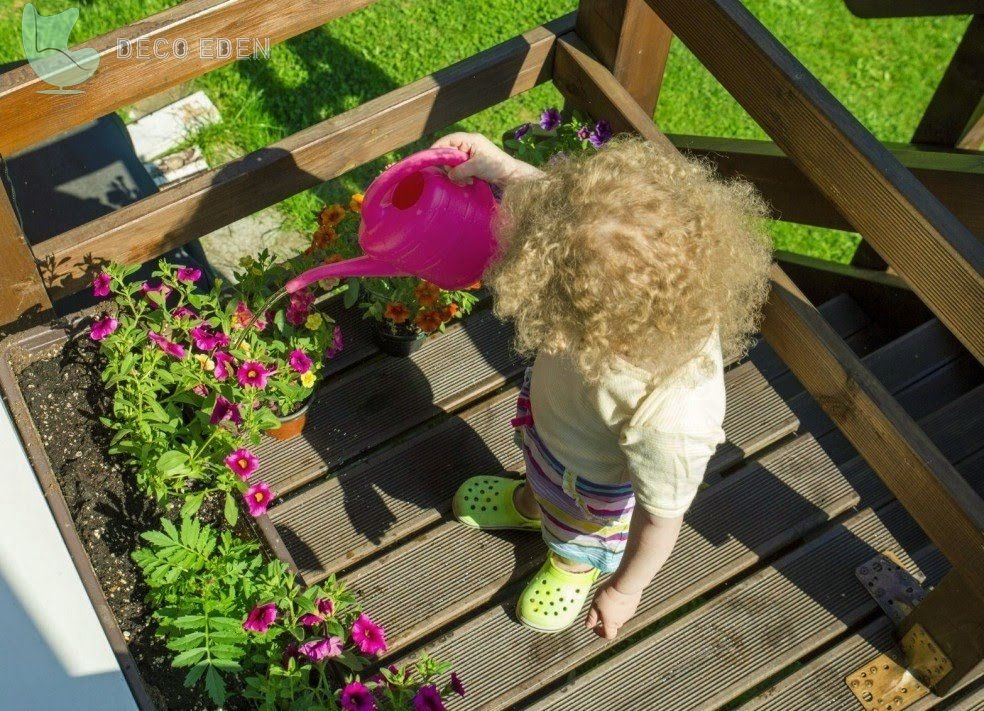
(258, 498)
(170, 347)
(456, 685)
(225, 410)
(368, 636)
(337, 343)
(522, 131)
(243, 463)
(583, 133)
(356, 696)
(300, 361)
(253, 374)
(223, 361)
(428, 698)
(184, 312)
(103, 327)
(325, 648)
(100, 285)
(550, 119)
(601, 134)
(261, 618)
(188, 275)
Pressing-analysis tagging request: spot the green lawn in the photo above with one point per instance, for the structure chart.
(884, 71)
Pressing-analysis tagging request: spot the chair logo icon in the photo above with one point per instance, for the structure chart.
(45, 40)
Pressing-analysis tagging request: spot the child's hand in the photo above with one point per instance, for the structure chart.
(486, 160)
(611, 609)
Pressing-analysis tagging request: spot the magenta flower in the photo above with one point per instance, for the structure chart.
(258, 498)
(103, 327)
(160, 287)
(207, 339)
(309, 620)
(337, 343)
(242, 317)
(550, 119)
(325, 648)
(522, 131)
(184, 312)
(583, 133)
(299, 361)
(188, 274)
(369, 637)
(428, 698)
(326, 608)
(169, 347)
(601, 134)
(303, 299)
(100, 285)
(291, 651)
(243, 463)
(225, 410)
(223, 361)
(261, 618)
(296, 316)
(253, 374)
(357, 697)
(456, 685)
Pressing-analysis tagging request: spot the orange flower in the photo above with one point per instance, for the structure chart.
(323, 236)
(396, 312)
(332, 258)
(428, 321)
(427, 294)
(331, 215)
(355, 204)
(449, 311)
(476, 285)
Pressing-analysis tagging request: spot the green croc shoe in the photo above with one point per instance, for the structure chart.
(486, 502)
(554, 597)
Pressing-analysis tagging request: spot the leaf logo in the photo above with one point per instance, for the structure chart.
(45, 41)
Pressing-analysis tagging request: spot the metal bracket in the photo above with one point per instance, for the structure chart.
(895, 590)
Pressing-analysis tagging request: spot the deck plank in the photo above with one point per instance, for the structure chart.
(726, 531)
(763, 624)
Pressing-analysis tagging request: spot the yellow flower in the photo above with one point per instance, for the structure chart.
(206, 362)
(355, 204)
(313, 322)
(307, 379)
(247, 349)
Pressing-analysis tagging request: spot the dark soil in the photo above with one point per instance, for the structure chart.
(65, 397)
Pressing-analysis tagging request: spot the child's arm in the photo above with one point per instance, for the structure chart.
(651, 540)
(486, 161)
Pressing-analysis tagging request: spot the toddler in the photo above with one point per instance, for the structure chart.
(630, 274)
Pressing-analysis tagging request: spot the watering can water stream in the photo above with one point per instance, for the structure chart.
(417, 222)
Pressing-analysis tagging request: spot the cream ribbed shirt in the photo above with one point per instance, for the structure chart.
(625, 429)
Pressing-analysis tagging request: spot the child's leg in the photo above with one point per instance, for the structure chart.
(525, 502)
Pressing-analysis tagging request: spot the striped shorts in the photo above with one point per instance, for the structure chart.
(581, 520)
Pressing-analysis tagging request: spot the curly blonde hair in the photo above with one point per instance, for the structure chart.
(632, 251)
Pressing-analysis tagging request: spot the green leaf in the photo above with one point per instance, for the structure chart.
(189, 657)
(230, 510)
(351, 295)
(194, 674)
(192, 503)
(215, 686)
(171, 462)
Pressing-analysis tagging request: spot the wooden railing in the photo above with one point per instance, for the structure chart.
(823, 168)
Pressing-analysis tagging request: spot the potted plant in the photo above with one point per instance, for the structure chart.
(556, 133)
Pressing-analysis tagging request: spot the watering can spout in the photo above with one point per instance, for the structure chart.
(417, 222)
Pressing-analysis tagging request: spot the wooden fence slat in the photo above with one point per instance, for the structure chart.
(28, 117)
(955, 178)
(923, 242)
(22, 291)
(913, 8)
(150, 227)
(629, 39)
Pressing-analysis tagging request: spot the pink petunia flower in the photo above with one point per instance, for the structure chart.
(188, 275)
(326, 608)
(368, 636)
(225, 410)
(243, 463)
(299, 361)
(456, 685)
(325, 648)
(261, 618)
(223, 361)
(103, 327)
(428, 698)
(337, 343)
(160, 287)
(356, 696)
(207, 339)
(296, 316)
(253, 374)
(184, 312)
(309, 620)
(258, 498)
(170, 347)
(100, 285)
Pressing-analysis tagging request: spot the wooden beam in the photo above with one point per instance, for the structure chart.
(22, 292)
(955, 115)
(631, 41)
(913, 8)
(152, 226)
(909, 228)
(955, 178)
(187, 35)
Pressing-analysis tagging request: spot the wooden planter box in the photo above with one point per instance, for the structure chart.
(17, 352)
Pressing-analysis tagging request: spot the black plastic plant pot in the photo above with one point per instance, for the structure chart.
(398, 341)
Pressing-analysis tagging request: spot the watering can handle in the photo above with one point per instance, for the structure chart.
(424, 159)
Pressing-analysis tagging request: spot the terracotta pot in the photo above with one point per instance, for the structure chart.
(291, 425)
(400, 344)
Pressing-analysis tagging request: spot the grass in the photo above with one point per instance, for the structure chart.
(884, 71)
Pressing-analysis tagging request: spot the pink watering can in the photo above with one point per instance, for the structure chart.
(416, 222)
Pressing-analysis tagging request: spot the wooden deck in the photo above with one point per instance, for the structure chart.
(759, 603)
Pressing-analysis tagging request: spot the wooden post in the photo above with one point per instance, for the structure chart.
(22, 292)
(631, 41)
